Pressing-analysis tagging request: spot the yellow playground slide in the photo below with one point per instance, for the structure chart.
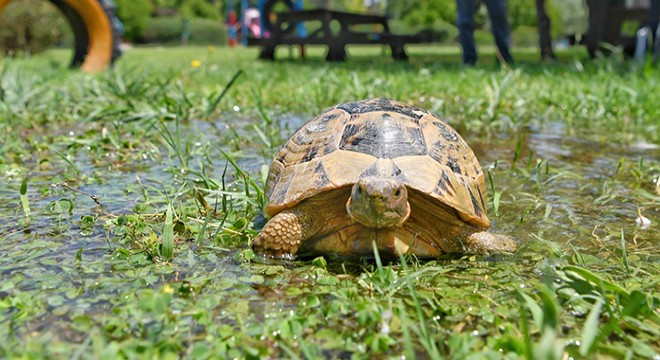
(96, 30)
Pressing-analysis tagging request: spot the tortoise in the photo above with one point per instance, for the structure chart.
(378, 171)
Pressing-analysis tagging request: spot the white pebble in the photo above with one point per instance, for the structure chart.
(643, 222)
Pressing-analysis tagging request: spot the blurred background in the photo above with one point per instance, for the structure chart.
(30, 26)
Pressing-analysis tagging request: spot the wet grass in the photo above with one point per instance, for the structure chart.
(130, 199)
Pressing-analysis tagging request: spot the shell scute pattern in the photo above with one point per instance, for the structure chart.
(453, 165)
(444, 185)
(383, 135)
(361, 107)
(378, 138)
(449, 135)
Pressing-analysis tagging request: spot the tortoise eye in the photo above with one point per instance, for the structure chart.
(397, 193)
(359, 189)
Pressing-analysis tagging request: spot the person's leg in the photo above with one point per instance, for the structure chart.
(500, 25)
(543, 22)
(654, 15)
(597, 14)
(465, 22)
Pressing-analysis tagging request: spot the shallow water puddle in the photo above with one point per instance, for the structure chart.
(570, 191)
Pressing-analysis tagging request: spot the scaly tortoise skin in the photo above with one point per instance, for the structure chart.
(376, 170)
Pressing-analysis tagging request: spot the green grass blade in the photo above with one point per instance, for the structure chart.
(534, 308)
(25, 203)
(518, 151)
(215, 103)
(550, 308)
(594, 279)
(379, 263)
(167, 248)
(623, 251)
(524, 326)
(202, 231)
(407, 339)
(590, 331)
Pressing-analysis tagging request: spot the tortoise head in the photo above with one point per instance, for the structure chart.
(378, 202)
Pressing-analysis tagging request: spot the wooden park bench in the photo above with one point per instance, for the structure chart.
(336, 29)
(606, 19)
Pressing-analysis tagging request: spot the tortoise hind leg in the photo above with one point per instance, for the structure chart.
(284, 233)
(487, 243)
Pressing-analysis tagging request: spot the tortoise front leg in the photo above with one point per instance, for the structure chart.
(285, 232)
(484, 242)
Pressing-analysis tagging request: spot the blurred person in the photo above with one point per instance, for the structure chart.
(497, 12)
(543, 23)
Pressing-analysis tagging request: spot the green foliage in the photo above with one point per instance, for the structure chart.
(191, 8)
(427, 13)
(30, 26)
(167, 30)
(134, 14)
(522, 13)
(570, 16)
(524, 36)
(207, 31)
(556, 14)
(200, 8)
(162, 30)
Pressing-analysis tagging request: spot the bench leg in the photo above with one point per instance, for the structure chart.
(336, 53)
(399, 53)
(267, 53)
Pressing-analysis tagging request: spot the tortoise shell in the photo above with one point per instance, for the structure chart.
(383, 138)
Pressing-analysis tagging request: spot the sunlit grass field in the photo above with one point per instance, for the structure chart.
(131, 196)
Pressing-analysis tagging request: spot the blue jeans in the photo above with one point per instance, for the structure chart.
(497, 12)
